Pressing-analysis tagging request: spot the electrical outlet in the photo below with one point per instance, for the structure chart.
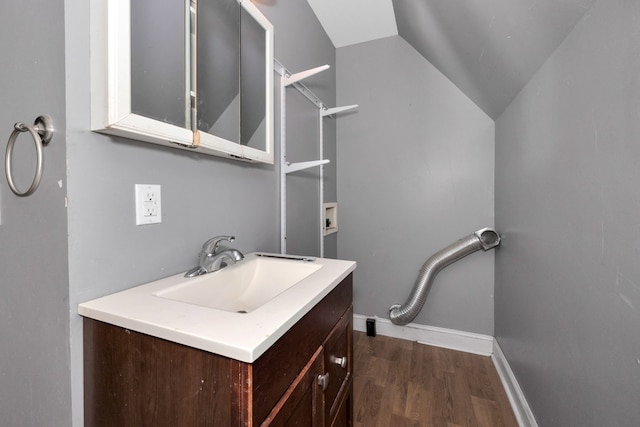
(148, 204)
(371, 327)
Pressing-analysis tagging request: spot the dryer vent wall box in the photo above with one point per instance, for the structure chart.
(330, 223)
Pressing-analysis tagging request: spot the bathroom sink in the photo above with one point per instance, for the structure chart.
(274, 290)
(244, 286)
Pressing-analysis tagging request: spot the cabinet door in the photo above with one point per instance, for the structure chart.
(303, 403)
(338, 359)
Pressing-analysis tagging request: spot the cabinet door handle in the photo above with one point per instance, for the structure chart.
(323, 381)
(340, 361)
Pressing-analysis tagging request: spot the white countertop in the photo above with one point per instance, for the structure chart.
(240, 336)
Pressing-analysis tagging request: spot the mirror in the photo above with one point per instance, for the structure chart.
(218, 68)
(235, 96)
(253, 79)
(188, 74)
(159, 85)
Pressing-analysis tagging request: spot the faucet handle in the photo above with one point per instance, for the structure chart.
(212, 245)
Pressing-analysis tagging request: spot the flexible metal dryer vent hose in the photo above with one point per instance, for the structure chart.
(484, 239)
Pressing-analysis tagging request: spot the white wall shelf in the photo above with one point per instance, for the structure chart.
(289, 79)
(295, 167)
(327, 112)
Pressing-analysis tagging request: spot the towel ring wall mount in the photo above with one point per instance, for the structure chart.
(41, 131)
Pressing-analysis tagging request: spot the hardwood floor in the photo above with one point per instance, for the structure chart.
(402, 383)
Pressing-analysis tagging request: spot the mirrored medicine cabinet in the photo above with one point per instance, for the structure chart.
(192, 74)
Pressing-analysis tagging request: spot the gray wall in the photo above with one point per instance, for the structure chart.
(415, 174)
(34, 330)
(568, 203)
(104, 251)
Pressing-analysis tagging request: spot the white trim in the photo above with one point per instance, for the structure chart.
(519, 404)
(321, 186)
(431, 335)
(111, 87)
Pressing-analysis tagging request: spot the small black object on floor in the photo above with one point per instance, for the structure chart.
(371, 327)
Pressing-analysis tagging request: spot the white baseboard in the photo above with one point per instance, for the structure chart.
(519, 404)
(439, 337)
(483, 345)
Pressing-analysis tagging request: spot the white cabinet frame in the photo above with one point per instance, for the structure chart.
(111, 88)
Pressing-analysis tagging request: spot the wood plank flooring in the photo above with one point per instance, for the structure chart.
(402, 383)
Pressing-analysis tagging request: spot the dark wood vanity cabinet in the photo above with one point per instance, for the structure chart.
(321, 394)
(304, 379)
(338, 359)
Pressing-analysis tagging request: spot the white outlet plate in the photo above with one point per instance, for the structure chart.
(148, 204)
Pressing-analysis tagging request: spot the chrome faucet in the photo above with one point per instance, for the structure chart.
(214, 256)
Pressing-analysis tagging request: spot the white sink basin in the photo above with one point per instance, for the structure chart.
(244, 286)
(203, 313)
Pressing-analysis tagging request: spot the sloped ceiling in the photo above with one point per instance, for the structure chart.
(490, 49)
(350, 22)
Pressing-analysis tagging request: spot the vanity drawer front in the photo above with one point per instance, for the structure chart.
(338, 362)
(276, 369)
(302, 403)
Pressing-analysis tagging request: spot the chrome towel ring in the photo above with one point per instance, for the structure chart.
(41, 132)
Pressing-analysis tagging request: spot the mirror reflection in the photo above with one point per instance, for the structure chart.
(252, 83)
(218, 68)
(159, 83)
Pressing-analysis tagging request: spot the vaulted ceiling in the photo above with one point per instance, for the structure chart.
(490, 49)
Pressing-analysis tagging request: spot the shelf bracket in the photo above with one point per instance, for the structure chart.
(295, 167)
(330, 111)
(288, 80)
